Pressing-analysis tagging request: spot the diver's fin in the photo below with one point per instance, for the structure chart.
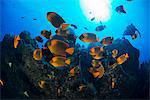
(70, 50)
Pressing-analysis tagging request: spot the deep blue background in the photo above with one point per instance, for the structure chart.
(70, 10)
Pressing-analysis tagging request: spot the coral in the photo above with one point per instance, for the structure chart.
(132, 80)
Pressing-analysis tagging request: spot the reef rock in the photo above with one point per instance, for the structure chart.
(20, 73)
(131, 66)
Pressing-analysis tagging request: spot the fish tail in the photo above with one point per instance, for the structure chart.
(70, 50)
(127, 56)
(68, 61)
(18, 37)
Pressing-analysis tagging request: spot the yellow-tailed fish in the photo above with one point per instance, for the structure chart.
(59, 61)
(88, 37)
(122, 58)
(96, 50)
(60, 48)
(107, 41)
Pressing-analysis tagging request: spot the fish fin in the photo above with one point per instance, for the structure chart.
(72, 71)
(127, 56)
(70, 50)
(68, 61)
(18, 37)
(16, 41)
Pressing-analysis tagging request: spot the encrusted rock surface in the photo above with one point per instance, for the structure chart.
(132, 79)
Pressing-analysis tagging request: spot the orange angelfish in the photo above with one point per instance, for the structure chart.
(16, 41)
(59, 61)
(122, 58)
(37, 54)
(55, 19)
(60, 48)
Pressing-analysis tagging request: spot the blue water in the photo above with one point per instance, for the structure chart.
(70, 10)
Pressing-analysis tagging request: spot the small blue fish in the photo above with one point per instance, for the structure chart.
(120, 9)
(100, 28)
(85, 28)
(93, 19)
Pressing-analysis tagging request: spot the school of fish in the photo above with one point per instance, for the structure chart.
(62, 50)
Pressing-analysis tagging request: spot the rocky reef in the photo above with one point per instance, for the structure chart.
(21, 73)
